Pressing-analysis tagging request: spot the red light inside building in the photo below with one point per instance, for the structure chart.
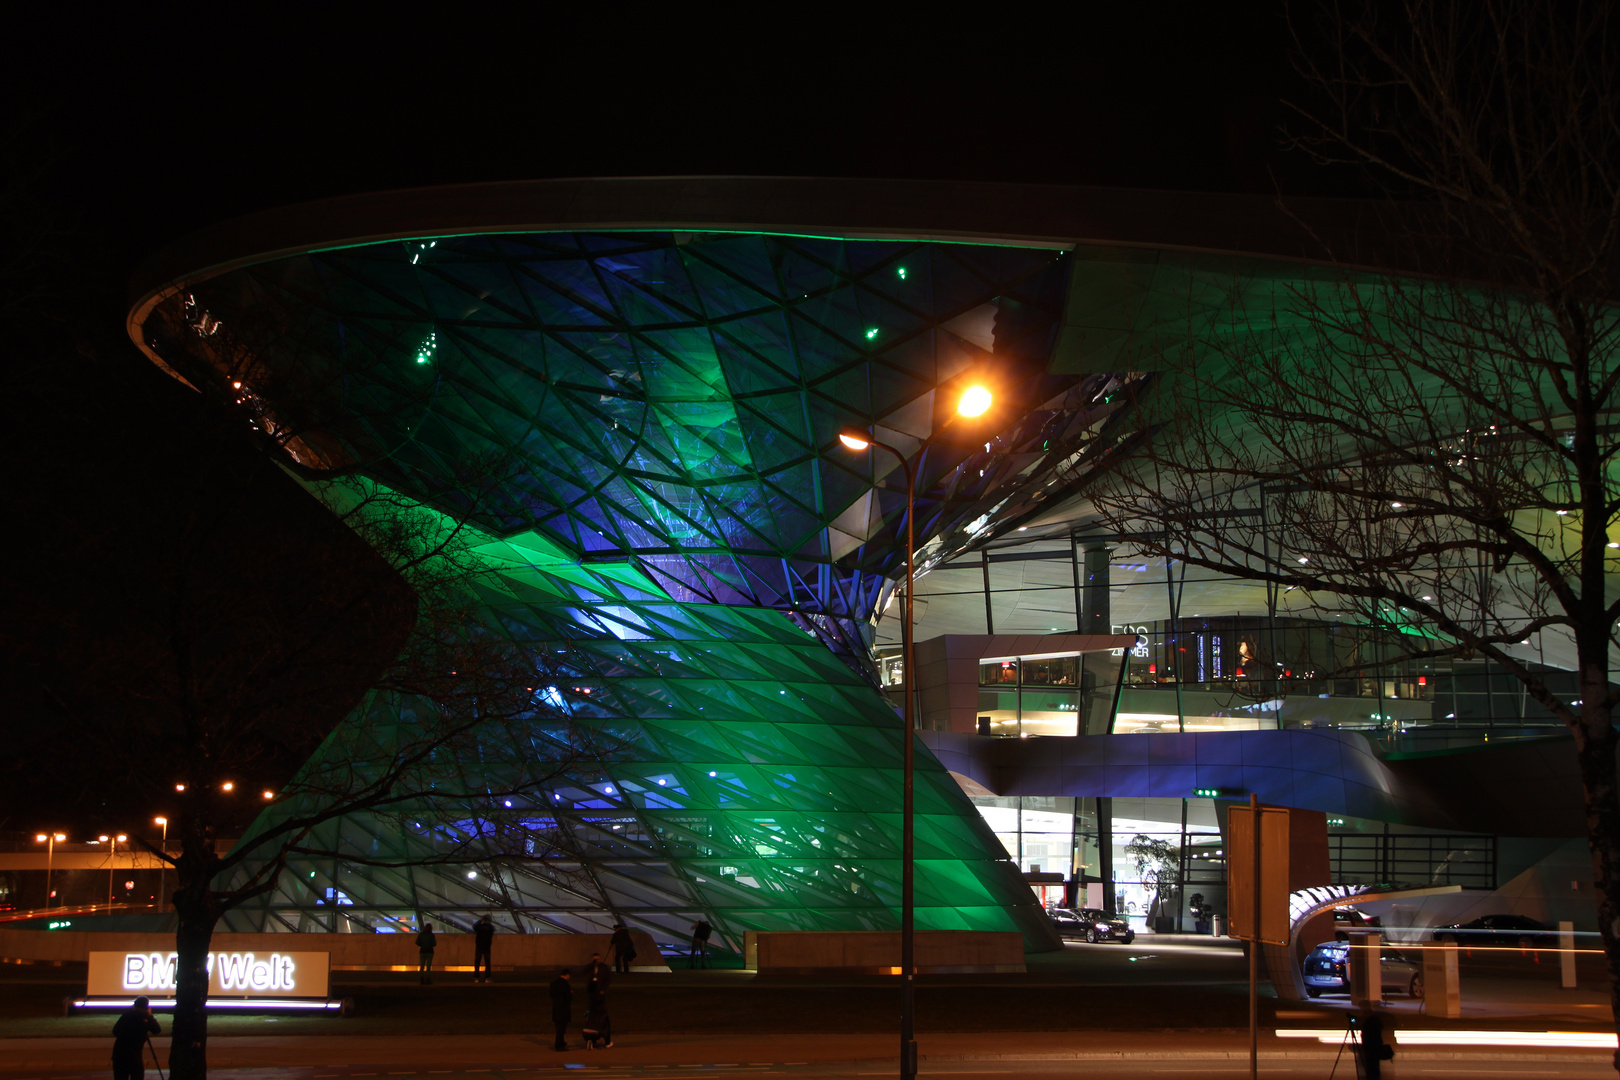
(1423, 680)
(1153, 669)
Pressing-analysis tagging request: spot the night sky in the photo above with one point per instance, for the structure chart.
(162, 125)
(126, 128)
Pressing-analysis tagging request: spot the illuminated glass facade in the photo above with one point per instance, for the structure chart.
(645, 426)
(742, 773)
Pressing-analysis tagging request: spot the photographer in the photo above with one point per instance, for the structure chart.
(130, 1033)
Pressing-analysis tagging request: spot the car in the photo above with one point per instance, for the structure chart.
(1327, 971)
(1348, 919)
(1514, 931)
(1090, 924)
(1067, 922)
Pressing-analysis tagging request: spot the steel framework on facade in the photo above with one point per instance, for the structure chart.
(644, 426)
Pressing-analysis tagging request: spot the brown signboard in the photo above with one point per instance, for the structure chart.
(1274, 877)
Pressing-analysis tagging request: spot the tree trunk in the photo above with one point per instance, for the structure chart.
(1596, 744)
(198, 912)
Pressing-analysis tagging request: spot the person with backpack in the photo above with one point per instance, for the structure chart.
(426, 942)
(624, 949)
(700, 943)
(130, 1035)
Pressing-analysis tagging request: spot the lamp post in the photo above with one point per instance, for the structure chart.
(112, 861)
(50, 841)
(973, 403)
(163, 862)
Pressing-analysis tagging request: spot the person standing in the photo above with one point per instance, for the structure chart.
(599, 972)
(700, 944)
(483, 935)
(623, 947)
(426, 942)
(130, 1033)
(562, 1008)
(598, 1026)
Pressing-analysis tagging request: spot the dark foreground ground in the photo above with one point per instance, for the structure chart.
(1154, 1009)
(1147, 986)
(648, 1056)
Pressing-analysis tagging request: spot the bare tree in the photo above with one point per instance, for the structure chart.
(446, 732)
(276, 664)
(1431, 451)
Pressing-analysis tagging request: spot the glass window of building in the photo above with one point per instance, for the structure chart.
(998, 712)
(998, 673)
(1049, 712)
(1057, 671)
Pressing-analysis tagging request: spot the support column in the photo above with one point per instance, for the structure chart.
(989, 617)
(1105, 849)
(1095, 617)
(1441, 996)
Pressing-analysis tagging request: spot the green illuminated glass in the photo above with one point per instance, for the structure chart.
(758, 785)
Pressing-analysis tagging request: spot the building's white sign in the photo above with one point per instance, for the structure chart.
(230, 974)
(1140, 649)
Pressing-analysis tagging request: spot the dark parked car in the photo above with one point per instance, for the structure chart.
(1514, 931)
(1327, 971)
(1089, 924)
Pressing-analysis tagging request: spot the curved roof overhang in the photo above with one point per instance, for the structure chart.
(1292, 230)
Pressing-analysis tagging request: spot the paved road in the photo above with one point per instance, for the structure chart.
(1315, 1069)
(1096, 1055)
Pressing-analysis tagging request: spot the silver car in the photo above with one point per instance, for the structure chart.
(1327, 971)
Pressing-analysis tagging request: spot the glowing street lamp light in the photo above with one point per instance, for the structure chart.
(974, 403)
(50, 840)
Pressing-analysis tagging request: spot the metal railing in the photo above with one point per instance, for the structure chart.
(1412, 859)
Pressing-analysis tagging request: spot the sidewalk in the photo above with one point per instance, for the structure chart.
(347, 1053)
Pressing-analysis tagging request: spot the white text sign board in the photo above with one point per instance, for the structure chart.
(230, 974)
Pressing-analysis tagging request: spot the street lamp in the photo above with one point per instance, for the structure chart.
(163, 862)
(50, 840)
(112, 859)
(974, 402)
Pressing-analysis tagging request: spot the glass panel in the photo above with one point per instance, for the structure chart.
(999, 673)
(1050, 712)
(1001, 706)
(892, 670)
(1062, 671)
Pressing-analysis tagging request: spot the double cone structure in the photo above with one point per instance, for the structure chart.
(642, 425)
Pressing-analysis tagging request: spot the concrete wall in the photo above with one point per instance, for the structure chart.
(938, 951)
(351, 952)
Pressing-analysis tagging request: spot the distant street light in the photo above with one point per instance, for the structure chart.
(975, 402)
(50, 841)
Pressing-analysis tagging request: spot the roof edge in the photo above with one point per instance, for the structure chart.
(1026, 215)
